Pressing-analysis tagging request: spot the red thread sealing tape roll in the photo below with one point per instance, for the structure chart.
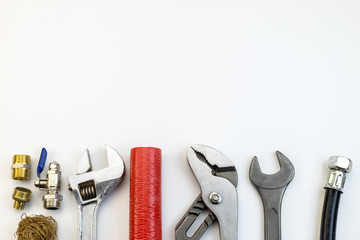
(145, 194)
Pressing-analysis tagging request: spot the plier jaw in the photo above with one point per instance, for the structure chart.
(204, 160)
(217, 178)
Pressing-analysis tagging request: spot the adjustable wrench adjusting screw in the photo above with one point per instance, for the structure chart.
(215, 198)
(87, 190)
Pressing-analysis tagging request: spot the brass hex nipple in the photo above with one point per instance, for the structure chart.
(20, 169)
(21, 196)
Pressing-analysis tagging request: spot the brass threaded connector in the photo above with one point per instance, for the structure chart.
(21, 196)
(20, 169)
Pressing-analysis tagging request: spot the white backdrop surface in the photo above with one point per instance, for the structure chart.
(245, 77)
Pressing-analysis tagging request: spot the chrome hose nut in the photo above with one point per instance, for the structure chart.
(51, 184)
(339, 166)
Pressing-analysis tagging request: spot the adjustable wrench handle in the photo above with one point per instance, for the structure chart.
(272, 199)
(87, 221)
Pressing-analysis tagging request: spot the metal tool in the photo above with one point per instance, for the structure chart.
(91, 187)
(271, 189)
(218, 179)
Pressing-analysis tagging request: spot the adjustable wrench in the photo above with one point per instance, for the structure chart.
(271, 189)
(91, 187)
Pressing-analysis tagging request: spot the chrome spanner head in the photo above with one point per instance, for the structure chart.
(91, 187)
(271, 189)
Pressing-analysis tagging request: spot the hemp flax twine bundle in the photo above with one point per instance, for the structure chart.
(37, 227)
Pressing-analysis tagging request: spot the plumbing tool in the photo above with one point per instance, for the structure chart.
(91, 187)
(271, 189)
(217, 177)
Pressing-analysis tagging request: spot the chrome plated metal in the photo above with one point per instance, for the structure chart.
(91, 187)
(52, 184)
(217, 177)
(339, 166)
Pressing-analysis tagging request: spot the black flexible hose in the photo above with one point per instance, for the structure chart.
(329, 214)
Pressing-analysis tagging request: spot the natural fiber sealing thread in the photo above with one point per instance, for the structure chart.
(37, 227)
(145, 194)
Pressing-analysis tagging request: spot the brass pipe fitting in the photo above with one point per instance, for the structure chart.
(20, 169)
(51, 184)
(21, 196)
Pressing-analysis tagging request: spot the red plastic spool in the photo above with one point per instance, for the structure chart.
(145, 194)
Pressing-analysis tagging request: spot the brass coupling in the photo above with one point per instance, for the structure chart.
(20, 169)
(21, 196)
(51, 184)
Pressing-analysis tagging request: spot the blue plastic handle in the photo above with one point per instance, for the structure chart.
(42, 161)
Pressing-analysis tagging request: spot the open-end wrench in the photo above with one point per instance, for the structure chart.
(91, 187)
(271, 189)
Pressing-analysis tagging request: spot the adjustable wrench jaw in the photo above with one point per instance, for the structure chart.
(88, 185)
(217, 178)
(91, 187)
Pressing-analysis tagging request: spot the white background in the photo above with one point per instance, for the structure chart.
(245, 77)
